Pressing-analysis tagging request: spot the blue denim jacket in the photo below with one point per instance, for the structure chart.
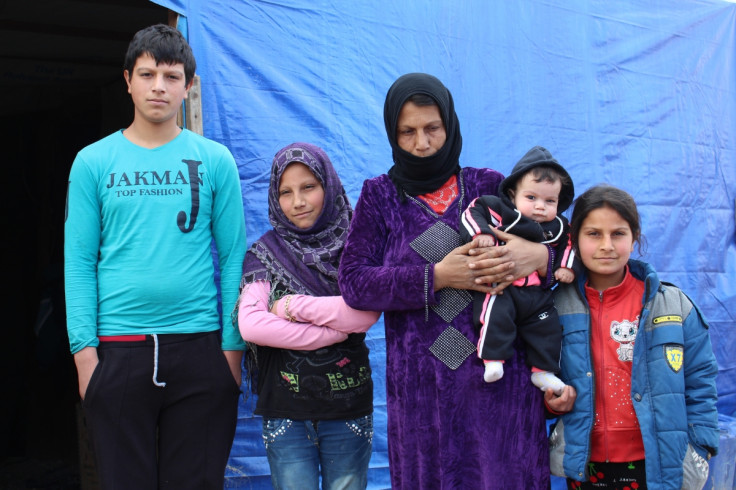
(676, 408)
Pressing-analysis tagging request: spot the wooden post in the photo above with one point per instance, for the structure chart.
(193, 107)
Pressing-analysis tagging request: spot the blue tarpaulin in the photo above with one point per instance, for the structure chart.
(641, 95)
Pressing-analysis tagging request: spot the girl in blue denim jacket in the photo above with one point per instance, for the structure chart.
(638, 353)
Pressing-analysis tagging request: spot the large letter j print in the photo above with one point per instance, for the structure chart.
(181, 218)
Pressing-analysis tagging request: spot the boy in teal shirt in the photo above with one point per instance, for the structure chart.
(158, 377)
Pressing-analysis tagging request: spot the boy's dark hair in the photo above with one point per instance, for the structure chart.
(165, 44)
(606, 196)
(547, 173)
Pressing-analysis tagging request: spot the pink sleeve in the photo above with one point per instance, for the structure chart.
(329, 311)
(262, 327)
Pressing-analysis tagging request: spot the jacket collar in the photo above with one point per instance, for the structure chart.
(638, 269)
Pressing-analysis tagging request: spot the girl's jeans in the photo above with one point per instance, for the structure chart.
(301, 451)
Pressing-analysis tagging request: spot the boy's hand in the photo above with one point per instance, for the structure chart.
(565, 275)
(235, 361)
(485, 240)
(86, 361)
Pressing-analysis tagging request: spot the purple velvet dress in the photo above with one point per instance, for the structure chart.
(447, 428)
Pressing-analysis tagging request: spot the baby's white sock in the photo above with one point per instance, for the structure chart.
(544, 380)
(494, 371)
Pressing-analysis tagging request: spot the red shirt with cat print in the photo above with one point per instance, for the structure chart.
(614, 315)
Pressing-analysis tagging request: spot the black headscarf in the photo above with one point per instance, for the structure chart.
(420, 175)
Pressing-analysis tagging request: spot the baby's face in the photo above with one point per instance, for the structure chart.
(537, 200)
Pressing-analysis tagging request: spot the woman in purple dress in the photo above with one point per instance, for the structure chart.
(446, 427)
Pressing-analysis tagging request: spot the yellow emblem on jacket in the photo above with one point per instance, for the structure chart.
(673, 354)
(667, 319)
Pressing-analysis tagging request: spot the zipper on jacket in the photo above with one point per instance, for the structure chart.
(602, 353)
(584, 299)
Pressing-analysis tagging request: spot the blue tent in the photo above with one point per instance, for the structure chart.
(641, 95)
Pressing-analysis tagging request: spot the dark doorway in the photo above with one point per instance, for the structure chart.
(61, 88)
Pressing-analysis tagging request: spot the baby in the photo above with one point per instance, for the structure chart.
(532, 196)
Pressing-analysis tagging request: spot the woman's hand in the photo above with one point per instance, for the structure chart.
(460, 270)
(562, 403)
(503, 265)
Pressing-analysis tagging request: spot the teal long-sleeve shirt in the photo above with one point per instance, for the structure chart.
(139, 229)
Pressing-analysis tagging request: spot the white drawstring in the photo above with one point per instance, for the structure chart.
(155, 362)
